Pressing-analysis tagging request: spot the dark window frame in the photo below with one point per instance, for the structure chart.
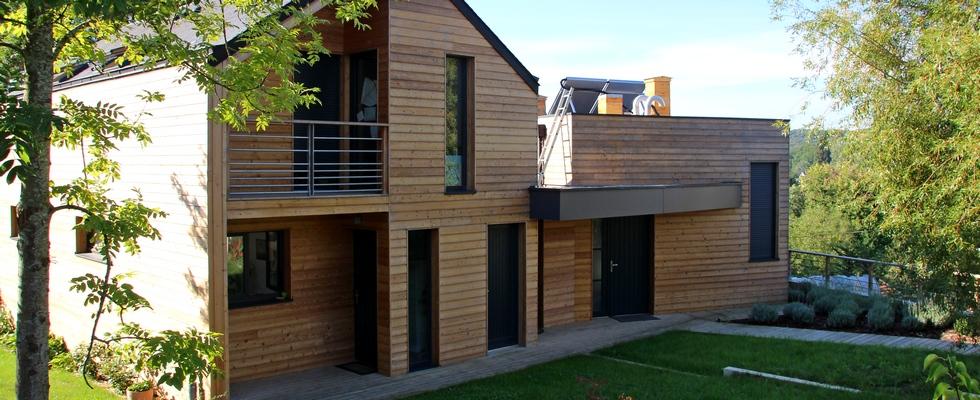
(773, 253)
(466, 112)
(282, 244)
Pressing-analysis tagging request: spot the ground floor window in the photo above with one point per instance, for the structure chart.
(257, 268)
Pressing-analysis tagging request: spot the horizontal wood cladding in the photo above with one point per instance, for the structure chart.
(610, 150)
(567, 272)
(422, 34)
(700, 259)
(172, 272)
(316, 327)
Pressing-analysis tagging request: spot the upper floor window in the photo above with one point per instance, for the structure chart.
(459, 124)
(763, 211)
(256, 268)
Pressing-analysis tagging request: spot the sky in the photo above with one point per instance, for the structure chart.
(726, 58)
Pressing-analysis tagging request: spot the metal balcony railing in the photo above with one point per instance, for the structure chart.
(302, 158)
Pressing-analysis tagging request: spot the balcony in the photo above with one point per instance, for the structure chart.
(307, 159)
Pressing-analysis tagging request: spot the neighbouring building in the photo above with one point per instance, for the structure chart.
(426, 211)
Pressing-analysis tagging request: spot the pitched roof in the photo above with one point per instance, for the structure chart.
(222, 50)
(531, 80)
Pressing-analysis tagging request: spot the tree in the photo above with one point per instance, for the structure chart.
(906, 73)
(40, 39)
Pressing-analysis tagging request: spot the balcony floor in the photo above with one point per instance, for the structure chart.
(335, 383)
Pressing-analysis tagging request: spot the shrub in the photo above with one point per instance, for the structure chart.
(7, 326)
(881, 316)
(764, 313)
(141, 386)
(968, 326)
(848, 303)
(796, 296)
(814, 294)
(799, 313)
(825, 304)
(911, 323)
(107, 365)
(842, 318)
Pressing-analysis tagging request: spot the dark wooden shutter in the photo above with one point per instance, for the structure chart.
(762, 218)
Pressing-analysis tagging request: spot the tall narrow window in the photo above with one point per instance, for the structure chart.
(256, 268)
(458, 124)
(763, 213)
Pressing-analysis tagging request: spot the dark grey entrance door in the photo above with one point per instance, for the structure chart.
(366, 298)
(420, 334)
(503, 265)
(626, 265)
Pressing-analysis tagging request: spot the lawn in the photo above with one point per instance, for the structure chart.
(695, 363)
(64, 385)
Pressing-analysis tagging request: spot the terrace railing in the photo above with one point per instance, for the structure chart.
(829, 266)
(302, 158)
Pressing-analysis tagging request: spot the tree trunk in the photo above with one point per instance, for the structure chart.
(35, 212)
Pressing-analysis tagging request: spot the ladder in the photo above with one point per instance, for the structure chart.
(558, 129)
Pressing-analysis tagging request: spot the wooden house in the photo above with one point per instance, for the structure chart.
(411, 220)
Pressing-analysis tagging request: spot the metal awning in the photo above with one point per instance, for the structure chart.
(566, 203)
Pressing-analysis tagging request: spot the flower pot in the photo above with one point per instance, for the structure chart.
(144, 395)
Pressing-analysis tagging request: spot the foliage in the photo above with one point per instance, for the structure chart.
(951, 378)
(141, 386)
(881, 316)
(911, 323)
(799, 313)
(905, 72)
(967, 326)
(825, 304)
(796, 295)
(65, 385)
(6, 322)
(41, 41)
(106, 363)
(179, 356)
(764, 313)
(842, 317)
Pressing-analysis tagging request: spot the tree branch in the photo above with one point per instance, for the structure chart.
(18, 50)
(5, 20)
(70, 35)
(70, 207)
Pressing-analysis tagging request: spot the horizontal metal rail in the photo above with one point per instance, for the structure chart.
(304, 158)
(802, 262)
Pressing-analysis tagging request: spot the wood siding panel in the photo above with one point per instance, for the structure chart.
(316, 327)
(567, 272)
(422, 34)
(172, 273)
(700, 259)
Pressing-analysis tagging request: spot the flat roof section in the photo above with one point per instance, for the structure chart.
(568, 203)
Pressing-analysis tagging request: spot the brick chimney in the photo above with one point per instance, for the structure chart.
(659, 86)
(542, 100)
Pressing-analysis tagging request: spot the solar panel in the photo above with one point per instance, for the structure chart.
(587, 91)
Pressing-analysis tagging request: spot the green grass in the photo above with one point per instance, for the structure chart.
(64, 385)
(697, 360)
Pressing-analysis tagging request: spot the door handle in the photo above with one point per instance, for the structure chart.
(612, 266)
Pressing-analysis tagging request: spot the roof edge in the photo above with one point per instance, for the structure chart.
(484, 29)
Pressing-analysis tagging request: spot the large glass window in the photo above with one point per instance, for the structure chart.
(458, 99)
(256, 268)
